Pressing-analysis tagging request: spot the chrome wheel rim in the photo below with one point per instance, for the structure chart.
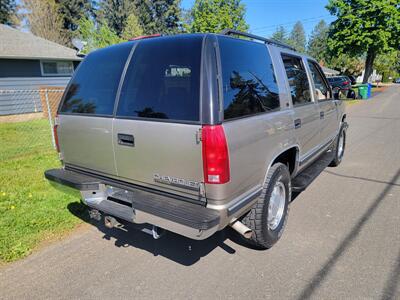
(276, 205)
(341, 145)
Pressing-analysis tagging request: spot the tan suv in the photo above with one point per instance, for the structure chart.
(195, 132)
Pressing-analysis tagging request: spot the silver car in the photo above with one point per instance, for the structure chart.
(196, 132)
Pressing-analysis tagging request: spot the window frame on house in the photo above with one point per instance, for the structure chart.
(42, 62)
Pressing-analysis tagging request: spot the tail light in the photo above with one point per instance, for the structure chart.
(55, 127)
(215, 155)
(346, 83)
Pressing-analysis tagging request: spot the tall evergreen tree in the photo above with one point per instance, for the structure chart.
(74, 10)
(216, 15)
(318, 44)
(159, 16)
(132, 28)
(280, 34)
(115, 13)
(364, 28)
(7, 11)
(297, 37)
(96, 36)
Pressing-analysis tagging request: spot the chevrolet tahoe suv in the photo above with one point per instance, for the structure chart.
(192, 133)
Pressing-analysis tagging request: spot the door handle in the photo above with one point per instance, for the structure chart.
(297, 123)
(126, 140)
(321, 114)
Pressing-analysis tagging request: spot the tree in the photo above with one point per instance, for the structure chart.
(317, 45)
(159, 16)
(216, 15)
(44, 20)
(297, 37)
(388, 64)
(280, 35)
(115, 13)
(364, 28)
(346, 64)
(96, 35)
(132, 28)
(74, 10)
(7, 12)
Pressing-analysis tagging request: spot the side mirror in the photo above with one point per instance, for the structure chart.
(336, 93)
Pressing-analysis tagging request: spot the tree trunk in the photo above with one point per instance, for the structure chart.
(369, 64)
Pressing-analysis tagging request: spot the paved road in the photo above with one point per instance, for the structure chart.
(342, 240)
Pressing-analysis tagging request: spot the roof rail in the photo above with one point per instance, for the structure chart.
(256, 37)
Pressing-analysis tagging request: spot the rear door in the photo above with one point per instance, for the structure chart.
(85, 116)
(326, 103)
(155, 130)
(306, 111)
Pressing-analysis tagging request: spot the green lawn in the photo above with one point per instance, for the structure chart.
(31, 210)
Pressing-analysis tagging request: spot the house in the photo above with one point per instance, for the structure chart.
(28, 61)
(330, 72)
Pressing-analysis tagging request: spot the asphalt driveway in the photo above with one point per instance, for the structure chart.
(342, 240)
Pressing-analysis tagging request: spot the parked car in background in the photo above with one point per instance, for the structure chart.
(340, 82)
(353, 79)
(217, 131)
(397, 80)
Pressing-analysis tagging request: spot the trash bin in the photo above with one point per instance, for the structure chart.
(369, 90)
(363, 91)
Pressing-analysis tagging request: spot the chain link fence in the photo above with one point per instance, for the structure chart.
(27, 120)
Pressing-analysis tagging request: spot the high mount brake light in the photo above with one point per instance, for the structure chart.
(142, 37)
(215, 155)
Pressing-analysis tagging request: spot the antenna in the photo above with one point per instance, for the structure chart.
(79, 45)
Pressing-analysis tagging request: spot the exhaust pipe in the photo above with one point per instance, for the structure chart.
(242, 229)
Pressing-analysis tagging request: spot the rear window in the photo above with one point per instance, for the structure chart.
(163, 80)
(94, 87)
(249, 82)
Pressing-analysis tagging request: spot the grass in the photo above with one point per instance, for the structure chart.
(31, 210)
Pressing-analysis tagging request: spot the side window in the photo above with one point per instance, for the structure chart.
(298, 80)
(322, 91)
(249, 83)
(94, 87)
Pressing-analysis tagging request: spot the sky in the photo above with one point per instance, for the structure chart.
(264, 16)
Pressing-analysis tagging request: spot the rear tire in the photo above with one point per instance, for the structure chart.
(339, 147)
(268, 217)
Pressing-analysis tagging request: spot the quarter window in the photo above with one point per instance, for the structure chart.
(322, 91)
(298, 80)
(249, 83)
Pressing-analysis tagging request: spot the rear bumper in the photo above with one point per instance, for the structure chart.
(139, 206)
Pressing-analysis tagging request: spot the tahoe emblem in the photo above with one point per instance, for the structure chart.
(179, 182)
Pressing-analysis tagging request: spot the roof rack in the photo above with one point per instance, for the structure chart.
(256, 37)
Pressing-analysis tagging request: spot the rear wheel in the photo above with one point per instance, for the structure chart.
(268, 216)
(339, 147)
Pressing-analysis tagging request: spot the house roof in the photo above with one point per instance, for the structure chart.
(331, 72)
(16, 44)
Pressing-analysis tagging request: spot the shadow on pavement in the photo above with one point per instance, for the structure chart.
(324, 271)
(392, 282)
(362, 178)
(177, 248)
